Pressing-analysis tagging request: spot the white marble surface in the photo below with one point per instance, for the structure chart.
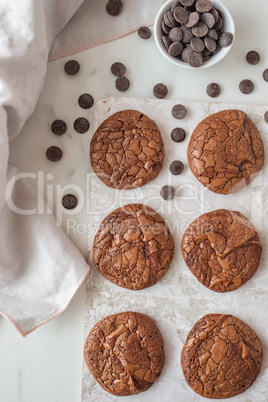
(47, 365)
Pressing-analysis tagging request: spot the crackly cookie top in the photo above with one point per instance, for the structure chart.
(125, 353)
(225, 151)
(133, 247)
(222, 249)
(222, 356)
(127, 150)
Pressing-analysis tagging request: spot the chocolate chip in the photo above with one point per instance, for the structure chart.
(246, 86)
(187, 34)
(200, 30)
(193, 19)
(175, 34)
(212, 34)
(203, 6)
(176, 167)
(218, 24)
(178, 134)
(181, 15)
(187, 2)
(253, 57)
(195, 59)
(175, 49)
(122, 84)
(213, 90)
(225, 39)
(208, 19)
(167, 192)
(69, 201)
(54, 154)
(85, 101)
(113, 7)
(197, 44)
(144, 32)
(58, 127)
(170, 20)
(81, 125)
(186, 53)
(266, 116)
(165, 28)
(215, 14)
(218, 48)
(166, 41)
(160, 91)
(210, 44)
(179, 111)
(72, 67)
(175, 4)
(265, 75)
(118, 69)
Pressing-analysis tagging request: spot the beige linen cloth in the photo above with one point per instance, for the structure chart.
(38, 276)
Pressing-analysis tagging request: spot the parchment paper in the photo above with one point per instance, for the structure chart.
(179, 300)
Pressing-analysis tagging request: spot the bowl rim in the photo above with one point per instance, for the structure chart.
(212, 61)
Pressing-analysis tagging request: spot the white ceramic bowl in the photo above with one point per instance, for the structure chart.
(228, 26)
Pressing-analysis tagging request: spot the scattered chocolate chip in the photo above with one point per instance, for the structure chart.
(166, 41)
(203, 6)
(210, 44)
(179, 111)
(208, 19)
(225, 39)
(72, 67)
(58, 127)
(144, 32)
(176, 167)
(197, 45)
(81, 125)
(118, 69)
(213, 90)
(265, 75)
(69, 201)
(246, 86)
(266, 116)
(167, 192)
(85, 101)
(200, 30)
(253, 57)
(181, 15)
(160, 91)
(178, 134)
(122, 84)
(195, 59)
(175, 34)
(54, 154)
(175, 49)
(113, 7)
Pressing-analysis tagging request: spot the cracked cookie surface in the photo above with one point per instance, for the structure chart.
(225, 151)
(126, 150)
(222, 249)
(222, 356)
(125, 353)
(133, 247)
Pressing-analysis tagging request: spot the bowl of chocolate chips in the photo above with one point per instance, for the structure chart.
(194, 33)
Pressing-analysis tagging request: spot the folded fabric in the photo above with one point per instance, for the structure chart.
(38, 277)
(91, 25)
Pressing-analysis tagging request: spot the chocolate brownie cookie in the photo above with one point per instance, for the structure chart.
(125, 353)
(222, 250)
(127, 150)
(222, 356)
(133, 247)
(225, 151)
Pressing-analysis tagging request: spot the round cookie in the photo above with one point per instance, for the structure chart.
(127, 150)
(222, 249)
(222, 356)
(225, 151)
(125, 353)
(133, 247)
